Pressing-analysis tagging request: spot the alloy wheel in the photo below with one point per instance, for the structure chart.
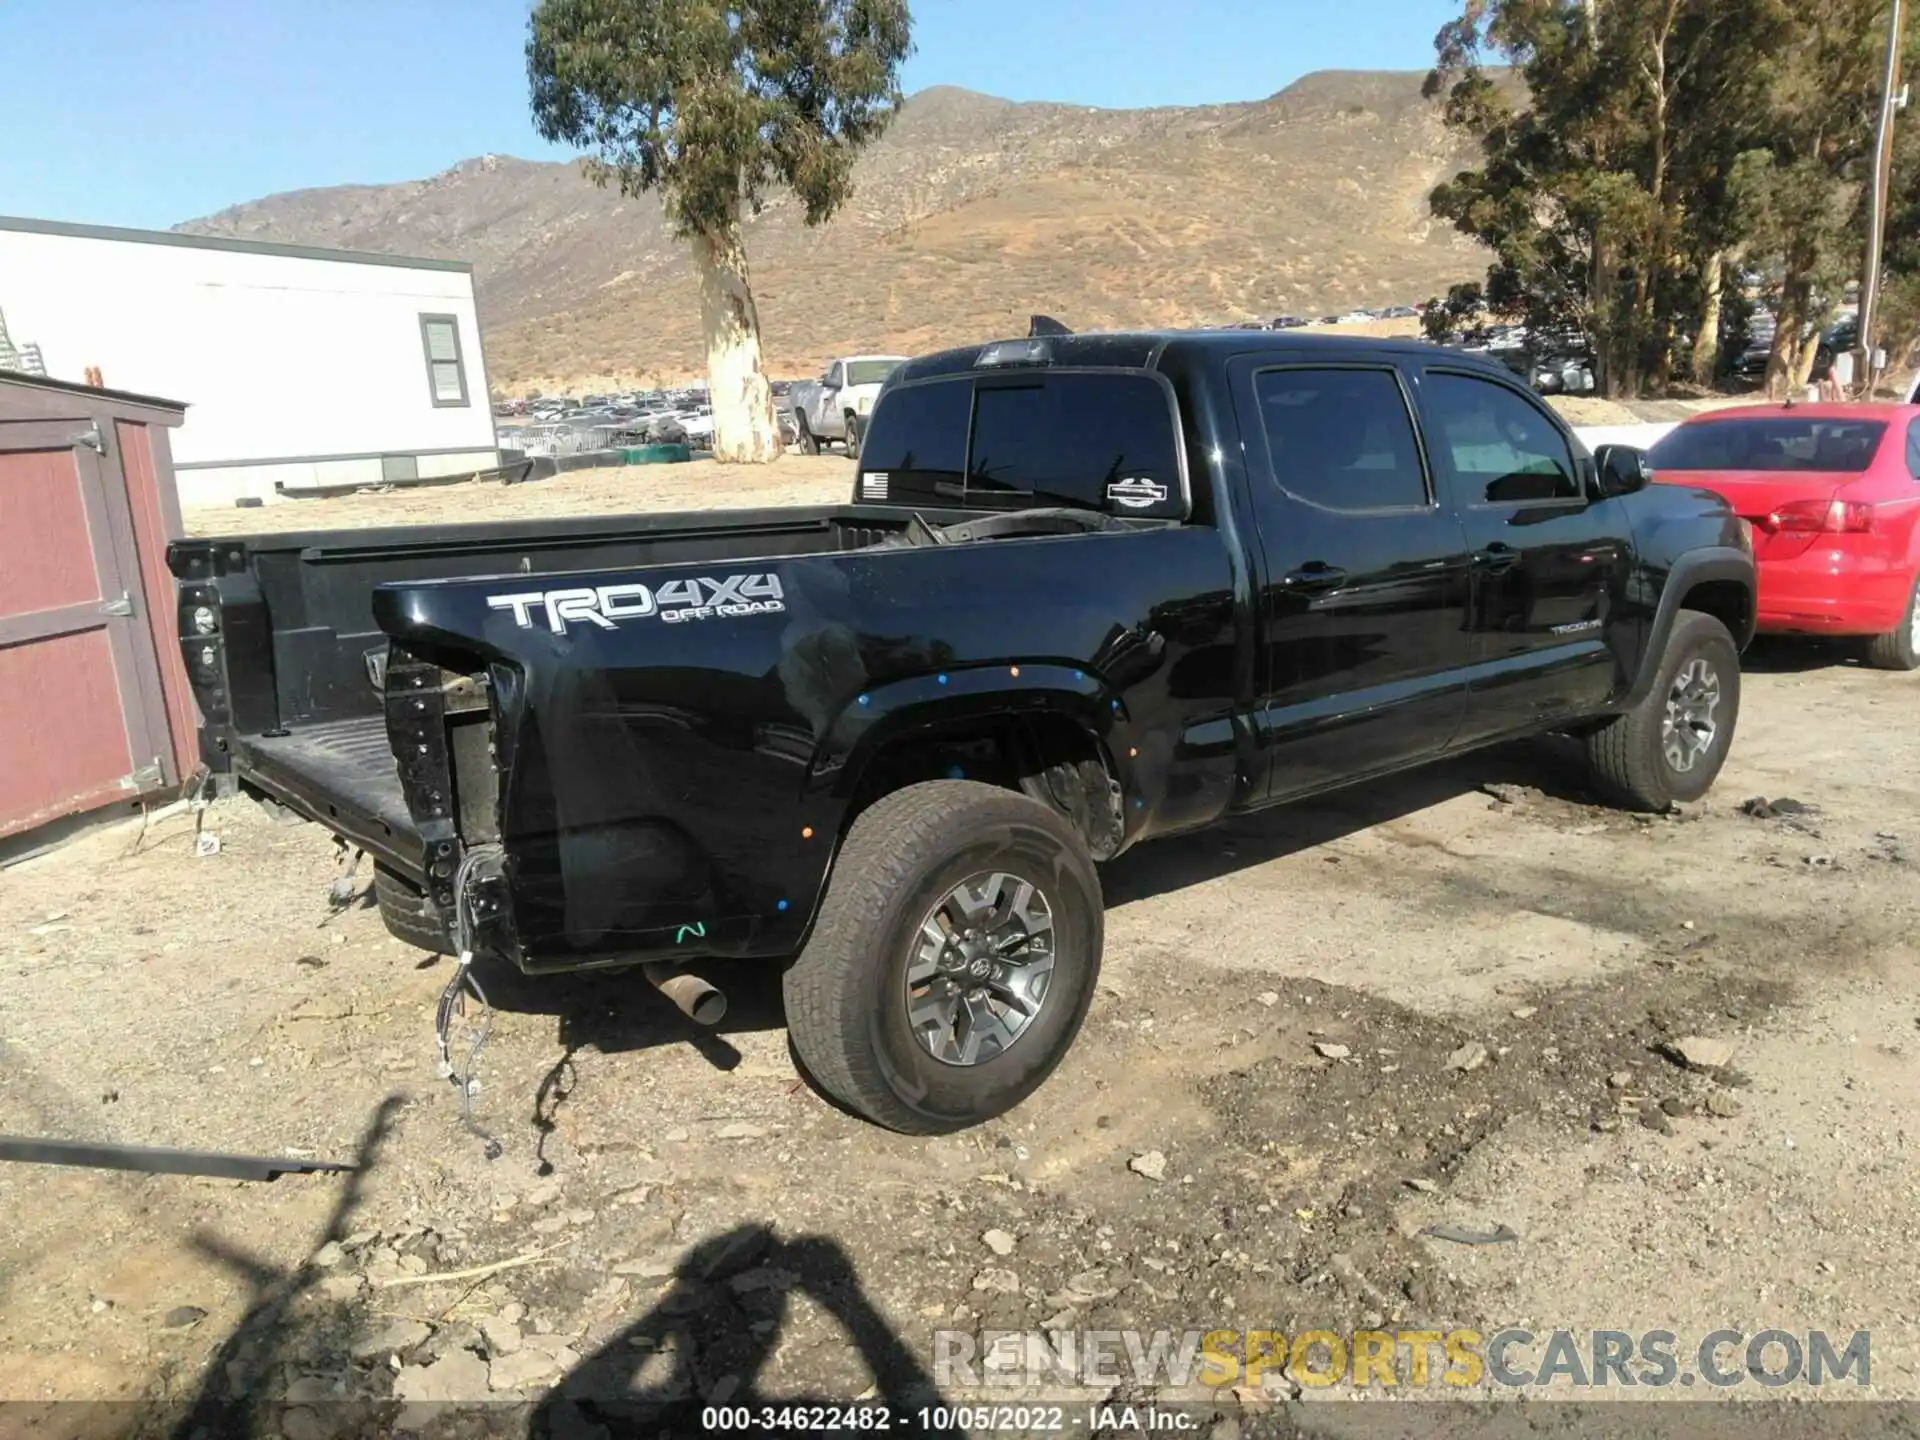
(1691, 725)
(980, 967)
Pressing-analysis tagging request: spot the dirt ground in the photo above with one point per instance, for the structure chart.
(1290, 1018)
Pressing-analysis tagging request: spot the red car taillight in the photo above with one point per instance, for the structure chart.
(1823, 517)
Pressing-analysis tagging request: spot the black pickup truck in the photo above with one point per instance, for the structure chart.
(1089, 590)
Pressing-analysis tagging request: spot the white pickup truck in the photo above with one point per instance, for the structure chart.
(836, 406)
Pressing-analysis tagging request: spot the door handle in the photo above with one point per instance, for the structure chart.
(1310, 579)
(1496, 558)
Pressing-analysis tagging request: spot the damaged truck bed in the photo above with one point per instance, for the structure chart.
(290, 667)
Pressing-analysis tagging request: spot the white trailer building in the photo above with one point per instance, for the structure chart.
(302, 369)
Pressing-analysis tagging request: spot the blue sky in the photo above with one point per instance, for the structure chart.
(150, 112)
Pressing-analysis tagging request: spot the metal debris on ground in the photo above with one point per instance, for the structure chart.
(1460, 1235)
(1785, 808)
(146, 1160)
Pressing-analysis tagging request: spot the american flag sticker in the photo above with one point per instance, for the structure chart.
(873, 485)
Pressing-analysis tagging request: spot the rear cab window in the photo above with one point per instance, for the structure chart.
(1102, 440)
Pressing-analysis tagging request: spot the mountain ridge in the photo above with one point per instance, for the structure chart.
(970, 213)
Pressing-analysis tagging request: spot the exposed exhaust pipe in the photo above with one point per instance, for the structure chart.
(697, 1000)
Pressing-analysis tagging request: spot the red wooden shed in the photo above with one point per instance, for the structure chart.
(94, 704)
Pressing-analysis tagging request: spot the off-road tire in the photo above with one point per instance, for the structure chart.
(853, 435)
(809, 445)
(1896, 649)
(1629, 765)
(408, 914)
(846, 996)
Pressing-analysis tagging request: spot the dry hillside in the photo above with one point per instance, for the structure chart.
(970, 214)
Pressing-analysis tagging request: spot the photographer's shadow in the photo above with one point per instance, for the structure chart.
(709, 1339)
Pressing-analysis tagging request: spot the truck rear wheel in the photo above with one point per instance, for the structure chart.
(953, 960)
(408, 914)
(1899, 648)
(808, 444)
(1672, 744)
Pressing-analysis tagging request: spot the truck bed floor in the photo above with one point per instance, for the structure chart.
(343, 774)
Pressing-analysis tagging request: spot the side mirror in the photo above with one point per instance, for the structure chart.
(1622, 469)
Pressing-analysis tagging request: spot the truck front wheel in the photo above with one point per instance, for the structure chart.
(953, 960)
(808, 444)
(1672, 744)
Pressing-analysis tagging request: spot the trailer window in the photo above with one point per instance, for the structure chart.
(446, 370)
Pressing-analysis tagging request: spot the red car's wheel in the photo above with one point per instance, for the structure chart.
(1899, 648)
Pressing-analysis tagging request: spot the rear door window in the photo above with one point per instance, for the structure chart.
(1105, 441)
(1341, 439)
(1913, 448)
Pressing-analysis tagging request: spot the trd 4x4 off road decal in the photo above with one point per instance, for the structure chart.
(704, 598)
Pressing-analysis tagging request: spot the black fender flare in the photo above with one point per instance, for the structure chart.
(1695, 567)
(883, 713)
(879, 715)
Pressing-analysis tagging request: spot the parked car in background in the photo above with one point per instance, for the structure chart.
(1833, 495)
(1751, 363)
(835, 406)
(1836, 339)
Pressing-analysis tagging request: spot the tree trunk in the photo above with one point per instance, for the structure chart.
(1706, 340)
(1784, 359)
(744, 429)
(1600, 326)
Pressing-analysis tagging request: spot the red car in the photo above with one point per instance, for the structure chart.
(1833, 495)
